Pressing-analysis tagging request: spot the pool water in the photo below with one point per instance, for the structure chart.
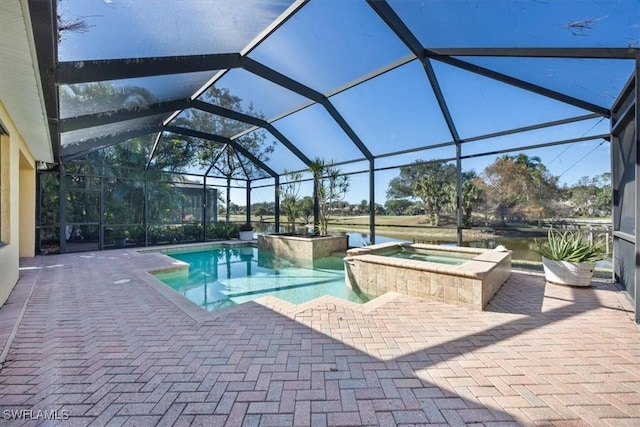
(447, 258)
(224, 277)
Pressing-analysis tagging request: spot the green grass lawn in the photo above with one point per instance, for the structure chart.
(408, 227)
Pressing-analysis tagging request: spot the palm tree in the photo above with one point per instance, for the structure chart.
(329, 187)
(316, 167)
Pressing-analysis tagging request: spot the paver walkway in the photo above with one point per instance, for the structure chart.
(103, 342)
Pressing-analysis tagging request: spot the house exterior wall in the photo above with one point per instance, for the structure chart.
(27, 208)
(17, 179)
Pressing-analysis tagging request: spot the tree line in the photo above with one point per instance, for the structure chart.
(514, 188)
(177, 152)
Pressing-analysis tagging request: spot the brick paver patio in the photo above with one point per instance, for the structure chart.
(102, 340)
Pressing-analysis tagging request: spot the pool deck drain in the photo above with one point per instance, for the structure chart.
(129, 354)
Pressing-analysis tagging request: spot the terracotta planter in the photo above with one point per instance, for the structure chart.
(568, 273)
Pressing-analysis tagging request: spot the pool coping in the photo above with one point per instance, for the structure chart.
(195, 247)
(474, 268)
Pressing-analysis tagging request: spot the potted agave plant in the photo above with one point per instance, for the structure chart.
(569, 258)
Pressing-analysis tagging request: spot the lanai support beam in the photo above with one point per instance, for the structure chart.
(637, 182)
(380, 71)
(248, 188)
(576, 102)
(372, 201)
(606, 137)
(215, 159)
(62, 203)
(276, 199)
(121, 114)
(390, 17)
(223, 140)
(246, 173)
(396, 25)
(44, 23)
(82, 148)
(456, 139)
(153, 150)
(72, 72)
(491, 135)
(205, 200)
(297, 87)
(214, 164)
(224, 112)
(273, 76)
(146, 208)
(204, 208)
(542, 52)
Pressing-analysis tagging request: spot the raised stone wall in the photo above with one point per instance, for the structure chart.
(300, 247)
(471, 284)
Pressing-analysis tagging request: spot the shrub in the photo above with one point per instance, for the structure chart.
(245, 227)
(222, 231)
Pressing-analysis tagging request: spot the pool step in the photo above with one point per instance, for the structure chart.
(327, 302)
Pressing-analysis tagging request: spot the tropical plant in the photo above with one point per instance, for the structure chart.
(330, 187)
(433, 183)
(192, 232)
(591, 196)
(569, 246)
(222, 231)
(119, 233)
(245, 227)
(306, 209)
(471, 196)
(398, 206)
(260, 211)
(436, 189)
(289, 192)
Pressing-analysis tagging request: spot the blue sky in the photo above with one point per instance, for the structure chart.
(329, 43)
(398, 110)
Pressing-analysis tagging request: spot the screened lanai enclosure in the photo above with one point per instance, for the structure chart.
(176, 121)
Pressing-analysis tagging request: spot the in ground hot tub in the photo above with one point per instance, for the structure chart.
(467, 277)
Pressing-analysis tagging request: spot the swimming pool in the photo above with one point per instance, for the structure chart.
(223, 277)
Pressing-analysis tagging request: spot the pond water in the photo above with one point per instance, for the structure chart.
(519, 246)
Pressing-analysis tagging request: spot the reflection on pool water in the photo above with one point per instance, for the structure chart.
(220, 278)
